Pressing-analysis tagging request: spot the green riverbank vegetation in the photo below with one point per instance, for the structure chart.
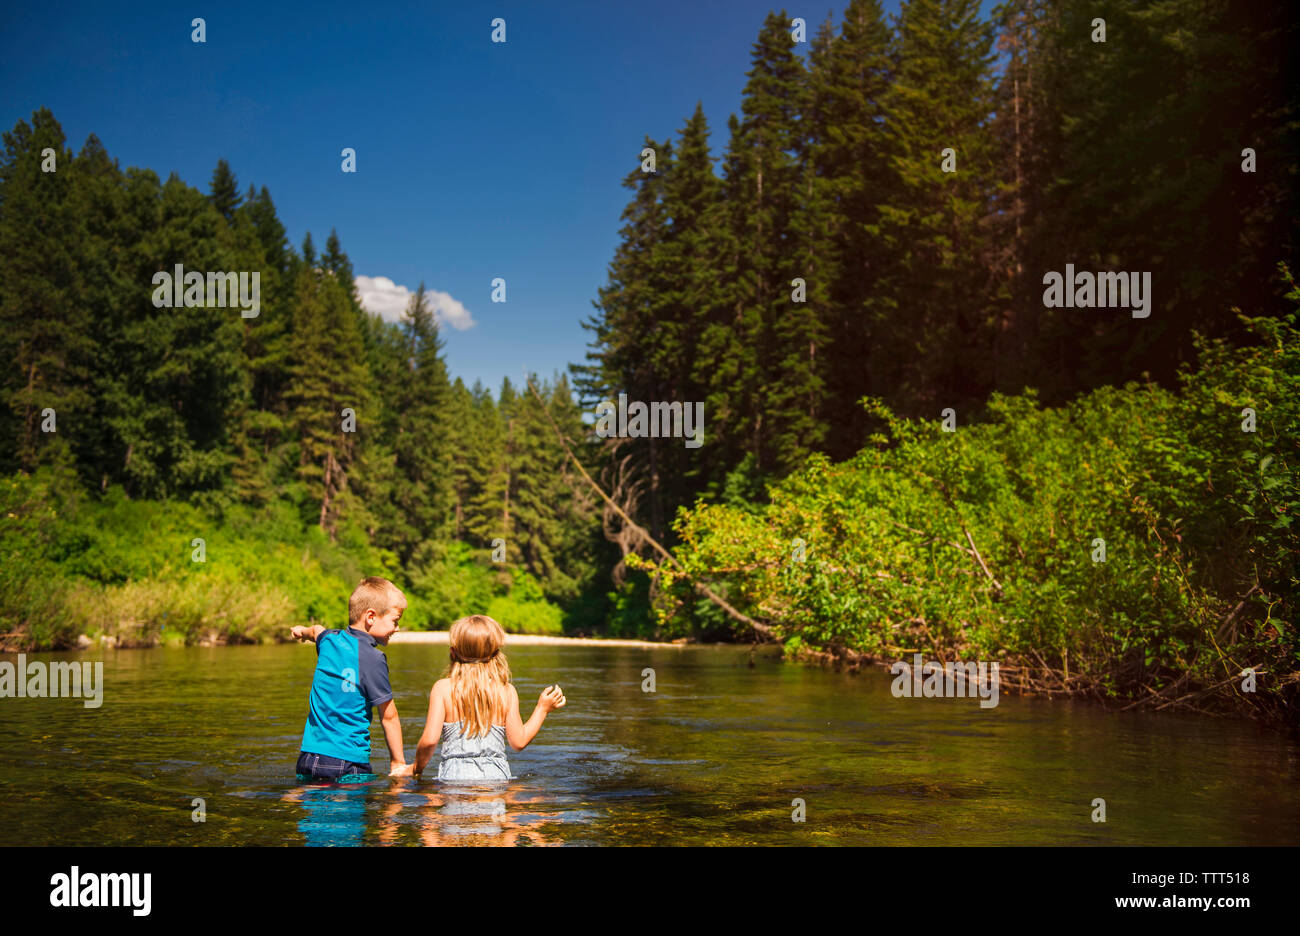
(1138, 545)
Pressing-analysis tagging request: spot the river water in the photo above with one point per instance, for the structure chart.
(726, 751)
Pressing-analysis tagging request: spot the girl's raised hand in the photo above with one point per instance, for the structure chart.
(552, 697)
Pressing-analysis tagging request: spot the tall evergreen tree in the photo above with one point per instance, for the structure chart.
(328, 375)
(846, 178)
(486, 503)
(270, 231)
(224, 191)
(728, 363)
(44, 326)
(461, 426)
(423, 488)
(931, 331)
(783, 339)
(691, 195)
(630, 354)
(547, 506)
(337, 262)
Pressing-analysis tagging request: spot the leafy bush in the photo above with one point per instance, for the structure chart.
(112, 566)
(524, 610)
(985, 542)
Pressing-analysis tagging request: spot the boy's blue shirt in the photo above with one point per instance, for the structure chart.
(351, 677)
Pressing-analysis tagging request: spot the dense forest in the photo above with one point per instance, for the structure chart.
(313, 423)
(835, 258)
(866, 255)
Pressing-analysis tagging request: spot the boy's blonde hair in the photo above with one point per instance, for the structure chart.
(478, 671)
(372, 594)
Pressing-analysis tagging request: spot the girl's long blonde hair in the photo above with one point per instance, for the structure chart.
(478, 671)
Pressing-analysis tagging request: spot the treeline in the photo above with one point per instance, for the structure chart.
(314, 402)
(835, 259)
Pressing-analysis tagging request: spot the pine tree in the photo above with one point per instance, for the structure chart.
(691, 195)
(328, 375)
(111, 225)
(783, 383)
(728, 362)
(846, 178)
(932, 327)
(547, 506)
(44, 327)
(489, 470)
(461, 427)
(502, 505)
(423, 457)
(224, 191)
(337, 262)
(270, 231)
(633, 351)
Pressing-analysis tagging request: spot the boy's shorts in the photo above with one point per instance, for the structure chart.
(322, 767)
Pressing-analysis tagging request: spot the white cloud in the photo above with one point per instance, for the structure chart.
(388, 300)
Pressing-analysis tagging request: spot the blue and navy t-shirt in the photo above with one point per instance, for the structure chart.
(351, 677)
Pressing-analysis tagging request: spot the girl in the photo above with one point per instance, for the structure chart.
(474, 709)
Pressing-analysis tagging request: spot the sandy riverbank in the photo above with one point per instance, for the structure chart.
(518, 640)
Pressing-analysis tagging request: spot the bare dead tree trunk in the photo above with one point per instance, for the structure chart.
(759, 628)
(325, 494)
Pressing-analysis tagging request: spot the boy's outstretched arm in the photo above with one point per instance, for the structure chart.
(393, 735)
(307, 633)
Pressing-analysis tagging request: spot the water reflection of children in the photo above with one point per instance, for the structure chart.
(333, 814)
(473, 815)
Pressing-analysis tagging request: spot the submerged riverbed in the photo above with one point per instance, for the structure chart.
(717, 755)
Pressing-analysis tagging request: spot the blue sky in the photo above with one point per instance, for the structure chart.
(475, 160)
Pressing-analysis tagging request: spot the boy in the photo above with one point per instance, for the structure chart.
(351, 677)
